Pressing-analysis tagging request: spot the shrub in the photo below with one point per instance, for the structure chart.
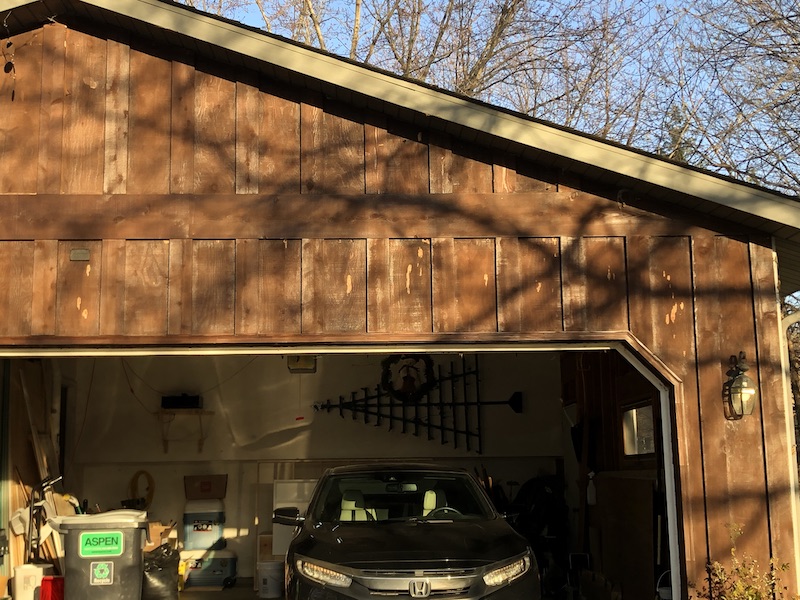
(744, 579)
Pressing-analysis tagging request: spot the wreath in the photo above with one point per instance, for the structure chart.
(410, 392)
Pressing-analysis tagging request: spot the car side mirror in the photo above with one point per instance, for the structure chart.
(287, 515)
(511, 517)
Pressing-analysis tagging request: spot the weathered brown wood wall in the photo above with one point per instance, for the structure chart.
(150, 198)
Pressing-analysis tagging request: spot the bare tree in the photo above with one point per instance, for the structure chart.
(712, 83)
(748, 58)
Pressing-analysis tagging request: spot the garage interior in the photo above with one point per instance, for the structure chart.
(567, 442)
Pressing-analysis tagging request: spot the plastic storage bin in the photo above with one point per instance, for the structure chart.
(103, 556)
(27, 582)
(202, 524)
(52, 588)
(209, 568)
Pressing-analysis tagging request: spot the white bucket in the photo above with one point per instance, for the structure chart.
(270, 579)
(28, 581)
(663, 589)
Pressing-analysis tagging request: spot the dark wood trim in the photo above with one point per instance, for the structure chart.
(299, 341)
(775, 406)
(217, 216)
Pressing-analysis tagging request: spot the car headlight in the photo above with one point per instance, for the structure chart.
(508, 573)
(322, 574)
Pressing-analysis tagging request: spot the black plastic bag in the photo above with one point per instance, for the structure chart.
(161, 574)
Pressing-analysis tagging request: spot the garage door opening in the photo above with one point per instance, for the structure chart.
(570, 444)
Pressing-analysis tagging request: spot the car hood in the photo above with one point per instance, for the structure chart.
(413, 544)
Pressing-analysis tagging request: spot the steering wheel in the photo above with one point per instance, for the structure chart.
(443, 510)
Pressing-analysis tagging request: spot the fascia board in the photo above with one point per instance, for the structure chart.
(476, 116)
(9, 5)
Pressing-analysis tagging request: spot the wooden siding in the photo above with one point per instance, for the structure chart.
(151, 198)
(179, 284)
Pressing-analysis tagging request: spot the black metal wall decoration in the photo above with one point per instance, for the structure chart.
(449, 409)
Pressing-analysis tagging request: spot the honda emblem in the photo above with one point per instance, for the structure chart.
(419, 588)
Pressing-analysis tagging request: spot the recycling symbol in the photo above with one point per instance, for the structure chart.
(101, 571)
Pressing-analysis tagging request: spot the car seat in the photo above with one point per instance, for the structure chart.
(353, 507)
(432, 500)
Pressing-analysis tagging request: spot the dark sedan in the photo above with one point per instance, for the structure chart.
(405, 531)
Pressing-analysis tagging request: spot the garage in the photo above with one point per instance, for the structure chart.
(230, 255)
(268, 421)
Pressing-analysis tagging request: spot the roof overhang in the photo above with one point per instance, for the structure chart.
(754, 208)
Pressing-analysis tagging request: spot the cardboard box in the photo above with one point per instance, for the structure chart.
(159, 534)
(264, 547)
(205, 487)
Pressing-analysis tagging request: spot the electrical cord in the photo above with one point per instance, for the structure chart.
(133, 488)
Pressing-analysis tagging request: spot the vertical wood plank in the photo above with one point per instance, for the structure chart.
(662, 317)
(45, 273)
(608, 284)
(443, 289)
(441, 179)
(529, 284)
(395, 164)
(334, 286)
(518, 176)
(379, 296)
(453, 170)
(504, 179)
(182, 125)
(150, 116)
(313, 314)
(180, 287)
(215, 133)
(533, 178)
(268, 279)
(279, 154)
(116, 123)
(332, 152)
(20, 102)
(213, 286)
(281, 261)
(574, 284)
(51, 119)
(464, 281)
(661, 297)
(475, 278)
(776, 410)
(112, 288)
(399, 276)
(732, 450)
(16, 293)
(78, 295)
(248, 120)
(248, 287)
(146, 287)
(83, 155)
(595, 285)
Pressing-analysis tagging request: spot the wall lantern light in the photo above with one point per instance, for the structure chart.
(739, 392)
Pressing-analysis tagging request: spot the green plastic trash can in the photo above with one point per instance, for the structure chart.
(103, 554)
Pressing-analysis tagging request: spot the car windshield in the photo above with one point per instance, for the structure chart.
(399, 495)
